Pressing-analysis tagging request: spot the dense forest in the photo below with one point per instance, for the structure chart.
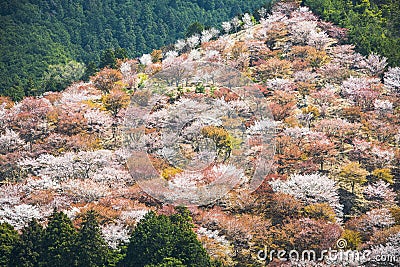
(374, 25)
(158, 240)
(39, 36)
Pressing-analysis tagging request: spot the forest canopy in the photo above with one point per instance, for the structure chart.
(37, 35)
(374, 25)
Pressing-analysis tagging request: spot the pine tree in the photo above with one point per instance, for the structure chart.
(108, 59)
(158, 237)
(27, 251)
(168, 262)
(90, 70)
(8, 238)
(59, 242)
(92, 249)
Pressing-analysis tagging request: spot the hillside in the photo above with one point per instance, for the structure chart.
(36, 34)
(285, 88)
(374, 25)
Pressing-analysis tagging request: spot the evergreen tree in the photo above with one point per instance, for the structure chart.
(27, 251)
(108, 59)
(59, 242)
(158, 237)
(90, 70)
(37, 34)
(15, 92)
(168, 262)
(120, 53)
(8, 238)
(92, 249)
(194, 28)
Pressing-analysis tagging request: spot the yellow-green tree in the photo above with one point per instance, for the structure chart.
(353, 174)
(116, 100)
(383, 174)
(221, 137)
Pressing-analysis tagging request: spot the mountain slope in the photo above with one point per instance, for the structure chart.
(36, 33)
(336, 166)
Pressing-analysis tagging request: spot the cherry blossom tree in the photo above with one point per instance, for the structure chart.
(312, 188)
(389, 251)
(301, 31)
(247, 21)
(334, 31)
(19, 215)
(305, 234)
(68, 165)
(108, 79)
(345, 56)
(374, 65)
(363, 91)
(145, 59)
(84, 190)
(338, 129)
(193, 41)
(262, 12)
(205, 36)
(115, 234)
(383, 106)
(379, 194)
(98, 121)
(324, 98)
(30, 118)
(381, 157)
(319, 40)
(235, 23)
(320, 149)
(10, 141)
(179, 45)
(392, 80)
(227, 26)
(70, 122)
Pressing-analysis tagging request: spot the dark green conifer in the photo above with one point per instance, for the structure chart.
(158, 237)
(27, 251)
(92, 249)
(8, 238)
(59, 242)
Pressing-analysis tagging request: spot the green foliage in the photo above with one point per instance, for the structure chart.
(374, 25)
(59, 242)
(92, 250)
(8, 238)
(38, 33)
(353, 174)
(109, 57)
(90, 70)
(158, 237)
(61, 75)
(27, 251)
(194, 28)
(383, 174)
(353, 239)
(58, 245)
(200, 88)
(16, 92)
(168, 262)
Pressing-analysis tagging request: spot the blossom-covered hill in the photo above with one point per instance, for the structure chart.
(336, 163)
